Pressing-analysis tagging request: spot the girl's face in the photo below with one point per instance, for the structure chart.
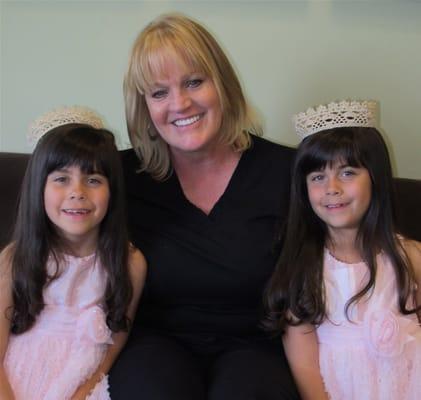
(340, 196)
(76, 203)
(185, 109)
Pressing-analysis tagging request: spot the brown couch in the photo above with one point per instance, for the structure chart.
(12, 168)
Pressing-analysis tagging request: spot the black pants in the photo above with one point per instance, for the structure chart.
(155, 367)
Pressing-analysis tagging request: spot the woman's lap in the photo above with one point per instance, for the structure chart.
(251, 374)
(156, 368)
(159, 368)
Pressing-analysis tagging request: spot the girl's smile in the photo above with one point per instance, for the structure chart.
(76, 202)
(340, 196)
(334, 206)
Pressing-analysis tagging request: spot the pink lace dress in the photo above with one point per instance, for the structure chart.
(69, 339)
(377, 356)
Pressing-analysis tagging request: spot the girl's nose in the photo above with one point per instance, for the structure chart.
(77, 192)
(77, 196)
(333, 186)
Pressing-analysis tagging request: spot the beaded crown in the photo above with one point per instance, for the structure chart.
(335, 115)
(63, 116)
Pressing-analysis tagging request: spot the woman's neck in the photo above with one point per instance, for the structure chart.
(198, 162)
(204, 177)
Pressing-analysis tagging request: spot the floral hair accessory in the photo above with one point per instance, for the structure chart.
(335, 115)
(63, 116)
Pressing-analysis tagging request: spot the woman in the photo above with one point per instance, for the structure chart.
(206, 196)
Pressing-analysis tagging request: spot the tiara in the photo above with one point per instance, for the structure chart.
(63, 116)
(335, 115)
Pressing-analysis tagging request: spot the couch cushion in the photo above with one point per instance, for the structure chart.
(12, 169)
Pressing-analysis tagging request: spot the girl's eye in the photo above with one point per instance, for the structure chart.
(193, 83)
(60, 179)
(94, 180)
(316, 177)
(348, 172)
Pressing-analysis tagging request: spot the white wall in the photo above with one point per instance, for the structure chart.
(289, 55)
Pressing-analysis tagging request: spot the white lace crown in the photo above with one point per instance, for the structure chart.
(335, 115)
(63, 116)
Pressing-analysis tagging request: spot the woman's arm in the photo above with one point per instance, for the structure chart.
(137, 268)
(6, 304)
(302, 351)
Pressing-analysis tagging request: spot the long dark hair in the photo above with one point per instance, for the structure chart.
(296, 287)
(35, 239)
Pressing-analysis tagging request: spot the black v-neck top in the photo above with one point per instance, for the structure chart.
(206, 273)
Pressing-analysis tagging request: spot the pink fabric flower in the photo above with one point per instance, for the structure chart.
(92, 326)
(386, 333)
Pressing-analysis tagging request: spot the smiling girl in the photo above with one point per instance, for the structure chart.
(346, 292)
(69, 281)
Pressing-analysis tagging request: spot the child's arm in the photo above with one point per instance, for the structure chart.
(137, 268)
(413, 250)
(6, 303)
(302, 351)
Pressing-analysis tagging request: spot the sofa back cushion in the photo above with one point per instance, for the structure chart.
(13, 165)
(12, 170)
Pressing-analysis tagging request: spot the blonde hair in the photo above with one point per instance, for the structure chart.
(177, 36)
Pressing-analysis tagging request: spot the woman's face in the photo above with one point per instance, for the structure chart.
(185, 109)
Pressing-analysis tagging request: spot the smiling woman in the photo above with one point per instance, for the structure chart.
(175, 61)
(204, 209)
(185, 109)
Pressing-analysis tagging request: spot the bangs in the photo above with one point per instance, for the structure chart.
(327, 148)
(81, 150)
(88, 162)
(162, 51)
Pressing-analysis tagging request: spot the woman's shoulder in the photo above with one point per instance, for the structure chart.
(278, 155)
(270, 146)
(129, 158)
(131, 168)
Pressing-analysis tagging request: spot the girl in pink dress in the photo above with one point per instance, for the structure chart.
(345, 293)
(69, 280)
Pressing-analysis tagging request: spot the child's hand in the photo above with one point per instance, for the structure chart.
(81, 393)
(97, 383)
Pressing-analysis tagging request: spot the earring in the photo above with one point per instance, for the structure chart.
(152, 135)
